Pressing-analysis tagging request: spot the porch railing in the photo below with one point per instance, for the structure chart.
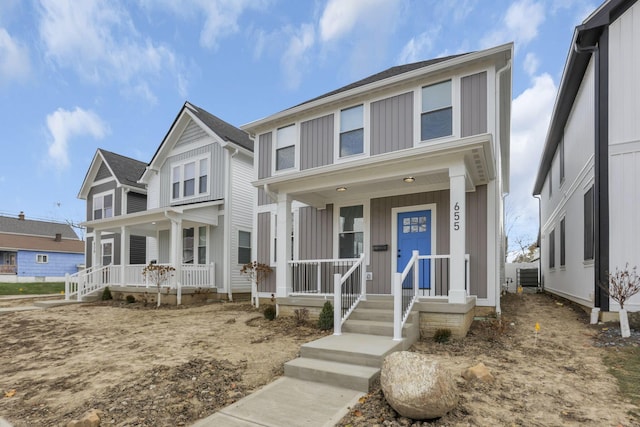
(349, 289)
(432, 269)
(316, 276)
(84, 282)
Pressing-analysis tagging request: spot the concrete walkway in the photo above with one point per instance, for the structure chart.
(287, 402)
(39, 302)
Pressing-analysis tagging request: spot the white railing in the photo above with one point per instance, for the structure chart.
(435, 270)
(349, 290)
(316, 276)
(92, 279)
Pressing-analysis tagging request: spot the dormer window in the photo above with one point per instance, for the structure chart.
(436, 119)
(286, 148)
(190, 179)
(103, 205)
(351, 131)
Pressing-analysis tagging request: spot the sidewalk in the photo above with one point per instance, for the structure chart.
(287, 402)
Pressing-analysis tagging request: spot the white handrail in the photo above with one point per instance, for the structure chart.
(338, 281)
(398, 318)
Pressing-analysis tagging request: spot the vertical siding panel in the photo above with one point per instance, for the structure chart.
(316, 233)
(316, 142)
(391, 126)
(263, 253)
(476, 235)
(474, 104)
(264, 155)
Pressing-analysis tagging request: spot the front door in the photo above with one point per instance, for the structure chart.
(414, 233)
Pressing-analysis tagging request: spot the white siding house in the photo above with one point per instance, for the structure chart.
(588, 181)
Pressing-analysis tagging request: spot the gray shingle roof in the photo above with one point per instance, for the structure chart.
(127, 170)
(36, 228)
(225, 130)
(389, 72)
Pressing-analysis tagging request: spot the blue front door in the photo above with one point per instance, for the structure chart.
(414, 233)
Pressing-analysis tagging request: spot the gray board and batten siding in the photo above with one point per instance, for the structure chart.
(136, 202)
(316, 236)
(391, 127)
(103, 172)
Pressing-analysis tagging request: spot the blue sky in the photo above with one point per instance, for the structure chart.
(80, 75)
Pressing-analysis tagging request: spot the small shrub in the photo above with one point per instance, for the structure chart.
(325, 321)
(270, 312)
(301, 315)
(442, 335)
(130, 299)
(106, 294)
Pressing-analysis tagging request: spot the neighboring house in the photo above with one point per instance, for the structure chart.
(588, 181)
(191, 206)
(412, 158)
(38, 250)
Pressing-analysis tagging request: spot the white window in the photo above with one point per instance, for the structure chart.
(437, 112)
(202, 245)
(351, 232)
(184, 184)
(103, 205)
(351, 131)
(244, 247)
(187, 245)
(286, 148)
(107, 253)
(42, 258)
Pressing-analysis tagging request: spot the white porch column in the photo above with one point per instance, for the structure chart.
(97, 249)
(283, 247)
(176, 255)
(124, 253)
(457, 234)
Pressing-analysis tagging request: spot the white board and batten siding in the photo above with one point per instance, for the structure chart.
(624, 143)
(242, 202)
(567, 201)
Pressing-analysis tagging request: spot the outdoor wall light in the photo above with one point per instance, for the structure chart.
(409, 179)
(341, 189)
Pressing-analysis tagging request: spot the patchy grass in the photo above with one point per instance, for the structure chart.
(624, 364)
(37, 288)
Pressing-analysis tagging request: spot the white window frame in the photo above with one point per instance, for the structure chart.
(365, 133)
(196, 185)
(104, 242)
(102, 196)
(367, 224)
(273, 217)
(197, 246)
(296, 150)
(42, 259)
(421, 112)
(455, 108)
(244, 230)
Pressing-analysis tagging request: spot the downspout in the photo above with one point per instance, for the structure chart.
(228, 203)
(499, 257)
(601, 172)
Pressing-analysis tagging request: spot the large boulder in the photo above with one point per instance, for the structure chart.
(417, 387)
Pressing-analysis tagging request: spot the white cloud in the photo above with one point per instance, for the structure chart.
(14, 58)
(531, 111)
(419, 47)
(64, 125)
(340, 17)
(99, 41)
(520, 24)
(295, 58)
(531, 63)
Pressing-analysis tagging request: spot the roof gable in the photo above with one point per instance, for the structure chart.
(36, 228)
(125, 170)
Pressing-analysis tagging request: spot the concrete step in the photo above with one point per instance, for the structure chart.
(355, 377)
(366, 350)
(377, 314)
(377, 303)
(372, 327)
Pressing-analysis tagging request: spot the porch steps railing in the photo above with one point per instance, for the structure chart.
(354, 358)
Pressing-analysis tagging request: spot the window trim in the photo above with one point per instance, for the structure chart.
(453, 106)
(336, 225)
(275, 148)
(42, 258)
(102, 196)
(588, 257)
(552, 249)
(337, 158)
(196, 160)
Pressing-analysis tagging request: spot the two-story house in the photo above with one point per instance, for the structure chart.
(197, 210)
(588, 181)
(414, 158)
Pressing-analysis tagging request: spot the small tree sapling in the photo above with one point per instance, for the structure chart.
(256, 272)
(622, 285)
(158, 275)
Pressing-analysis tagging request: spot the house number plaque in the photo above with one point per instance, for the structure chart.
(456, 217)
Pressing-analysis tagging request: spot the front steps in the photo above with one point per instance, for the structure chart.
(353, 359)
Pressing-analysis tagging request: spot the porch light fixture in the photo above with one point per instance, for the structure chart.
(409, 179)
(341, 189)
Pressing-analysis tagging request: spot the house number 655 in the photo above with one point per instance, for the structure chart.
(456, 216)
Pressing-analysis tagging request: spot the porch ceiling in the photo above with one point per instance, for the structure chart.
(384, 174)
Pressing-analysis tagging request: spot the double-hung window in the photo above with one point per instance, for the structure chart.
(562, 242)
(351, 131)
(103, 206)
(552, 249)
(437, 111)
(286, 148)
(42, 258)
(190, 179)
(588, 225)
(244, 247)
(351, 237)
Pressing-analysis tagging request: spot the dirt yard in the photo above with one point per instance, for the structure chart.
(171, 366)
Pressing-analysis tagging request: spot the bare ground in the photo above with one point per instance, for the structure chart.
(171, 366)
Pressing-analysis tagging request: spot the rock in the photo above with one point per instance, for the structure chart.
(417, 387)
(90, 419)
(478, 372)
